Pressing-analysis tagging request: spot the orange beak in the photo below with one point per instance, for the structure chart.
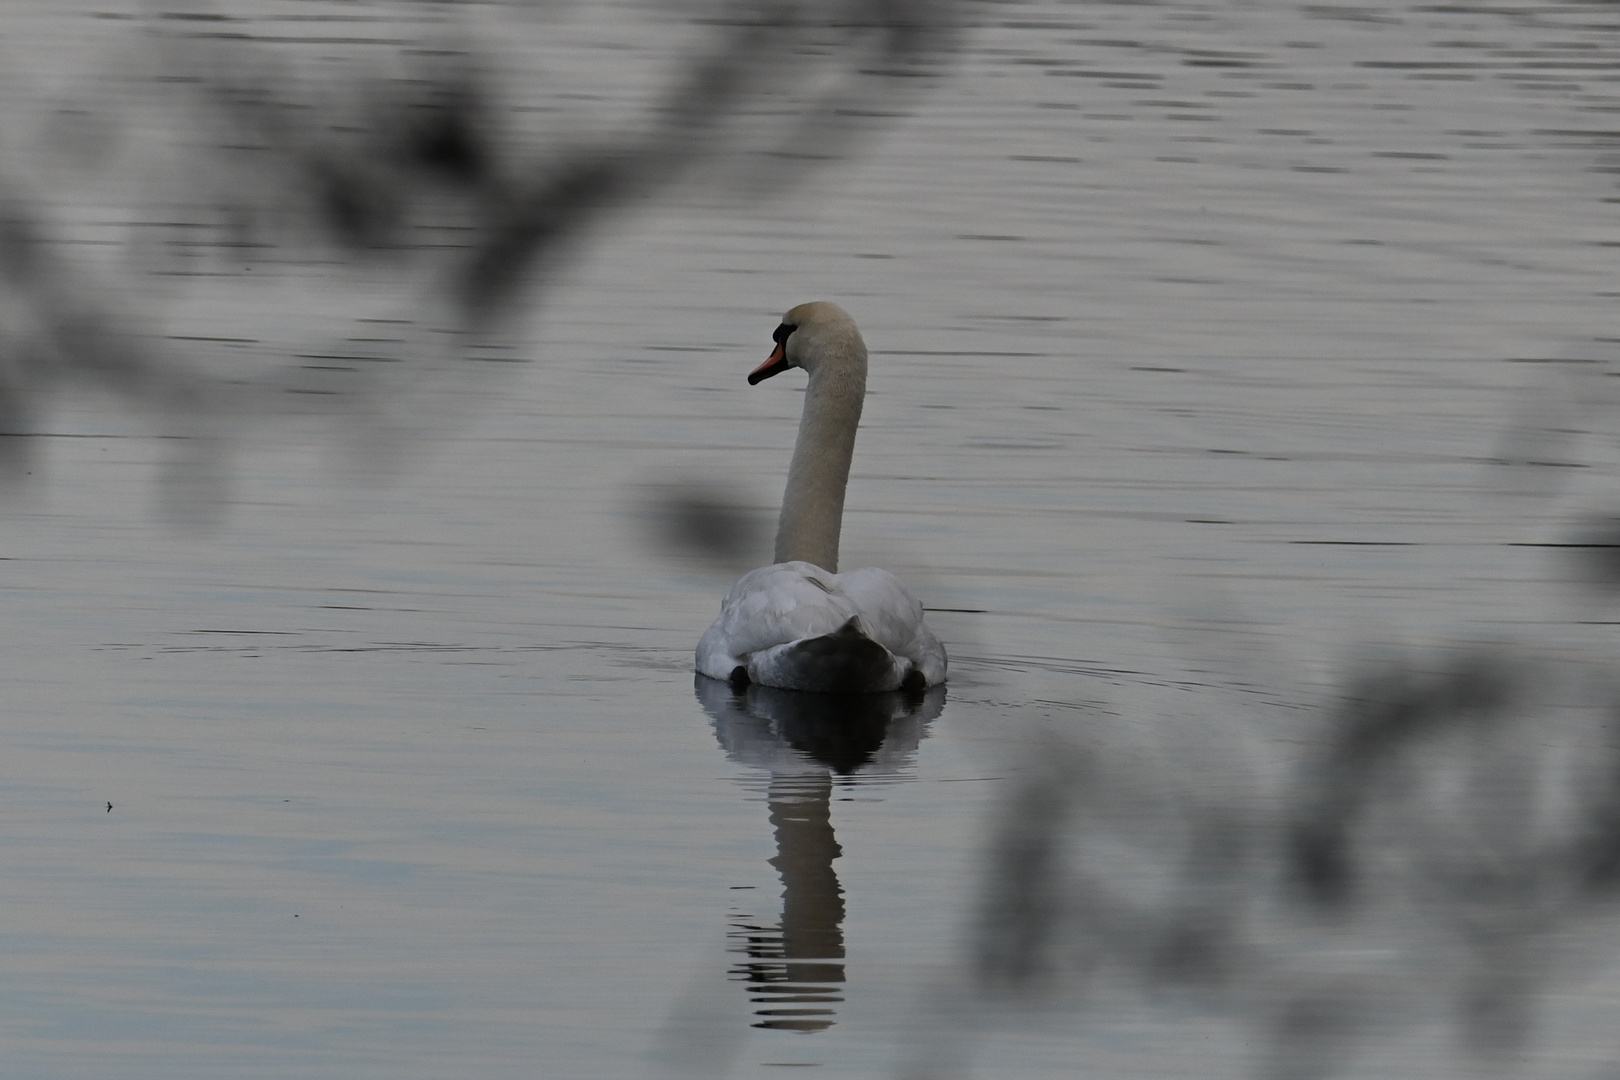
(774, 365)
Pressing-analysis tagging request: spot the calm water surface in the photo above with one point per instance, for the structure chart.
(1196, 329)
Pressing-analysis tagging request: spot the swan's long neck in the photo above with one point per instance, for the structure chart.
(813, 505)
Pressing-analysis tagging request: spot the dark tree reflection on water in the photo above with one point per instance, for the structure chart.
(1437, 848)
(273, 238)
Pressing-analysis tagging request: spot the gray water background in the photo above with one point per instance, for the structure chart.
(1197, 330)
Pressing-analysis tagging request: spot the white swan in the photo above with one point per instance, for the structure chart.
(798, 624)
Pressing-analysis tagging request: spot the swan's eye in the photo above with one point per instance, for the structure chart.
(782, 332)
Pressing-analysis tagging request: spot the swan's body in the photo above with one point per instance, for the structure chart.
(798, 624)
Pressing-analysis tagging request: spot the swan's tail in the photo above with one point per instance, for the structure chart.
(845, 661)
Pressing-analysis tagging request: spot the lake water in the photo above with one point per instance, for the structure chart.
(1198, 334)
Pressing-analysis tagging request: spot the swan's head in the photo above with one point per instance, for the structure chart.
(812, 335)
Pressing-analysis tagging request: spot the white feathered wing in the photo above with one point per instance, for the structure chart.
(789, 625)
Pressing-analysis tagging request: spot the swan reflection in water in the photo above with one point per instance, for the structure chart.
(794, 970)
